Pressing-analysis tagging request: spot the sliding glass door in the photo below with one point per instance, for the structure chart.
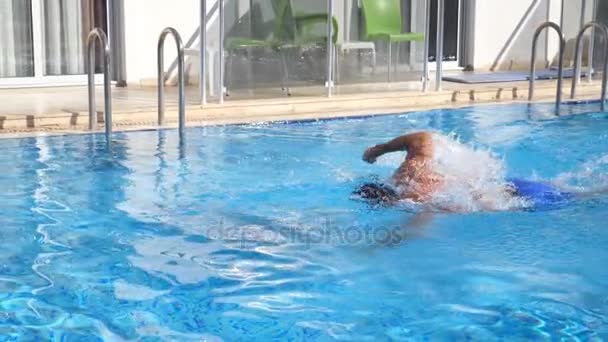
(43, 42)
(452, 32)
(17, 41)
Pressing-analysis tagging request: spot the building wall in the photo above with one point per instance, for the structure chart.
(144, 20)
(496, 44)
(504, 30)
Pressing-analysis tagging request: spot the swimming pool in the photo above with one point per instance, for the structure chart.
(249, 233)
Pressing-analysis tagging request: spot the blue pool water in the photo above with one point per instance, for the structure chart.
(249, 233)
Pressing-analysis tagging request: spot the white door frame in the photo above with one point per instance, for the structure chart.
(453, 65)
(39, 79)
(449, 65)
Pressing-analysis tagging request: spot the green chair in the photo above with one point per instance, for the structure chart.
(304, 31)
(383, 22)
(291, 31)
(263, 38)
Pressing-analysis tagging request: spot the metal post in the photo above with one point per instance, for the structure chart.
(330, 47)
(579, 59)
(548, 18)
(603, 29)
(347, 26)
(591, 46)
(425, 63)
(221, 51)
(439, 49)
(562, 45)
(583, 10)
(180, 76)
(202, 85)
(97, 34)
(561, 14)
(109, 26)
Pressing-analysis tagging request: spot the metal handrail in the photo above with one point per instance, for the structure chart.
(97, 34)
(560, 71)
(439, 48)
(330, 47)
(180, 76)
(577, 60)
(202, 48)
(591, 46)
(427, 42)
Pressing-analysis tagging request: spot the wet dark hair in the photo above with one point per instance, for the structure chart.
(376, 193)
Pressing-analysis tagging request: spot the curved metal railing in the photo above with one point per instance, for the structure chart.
(95, 35)
(180, 75)
(560, 72)
(603, 29)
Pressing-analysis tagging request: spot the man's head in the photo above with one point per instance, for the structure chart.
(376, 193)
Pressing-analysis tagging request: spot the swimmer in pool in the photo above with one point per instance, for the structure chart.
(416, 181)
(415, 178)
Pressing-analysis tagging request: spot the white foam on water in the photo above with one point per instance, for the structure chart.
(392, 159)
(589, 179)
(474, 179)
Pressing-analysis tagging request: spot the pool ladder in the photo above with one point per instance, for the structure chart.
(602, 28)
(180, 79)
(560, 71)
(98, 35)
(576, 79)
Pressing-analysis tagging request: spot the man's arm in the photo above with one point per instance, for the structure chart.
(401, 143)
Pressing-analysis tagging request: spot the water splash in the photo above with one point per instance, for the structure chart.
(474, 179)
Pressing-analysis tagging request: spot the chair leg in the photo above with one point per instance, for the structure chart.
(227, 72)
(390, 60)
(397, 61)
(250, 70)
(374, 62)
(336, 77)
(411, 59)
(211, 58)
(285, 76)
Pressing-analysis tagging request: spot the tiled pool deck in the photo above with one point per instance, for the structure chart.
(64, 110)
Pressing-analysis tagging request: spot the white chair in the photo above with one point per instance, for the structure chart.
(349, 45)
(212, 56)
(344, 47)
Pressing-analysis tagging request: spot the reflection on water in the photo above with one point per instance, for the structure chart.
(249, 232)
